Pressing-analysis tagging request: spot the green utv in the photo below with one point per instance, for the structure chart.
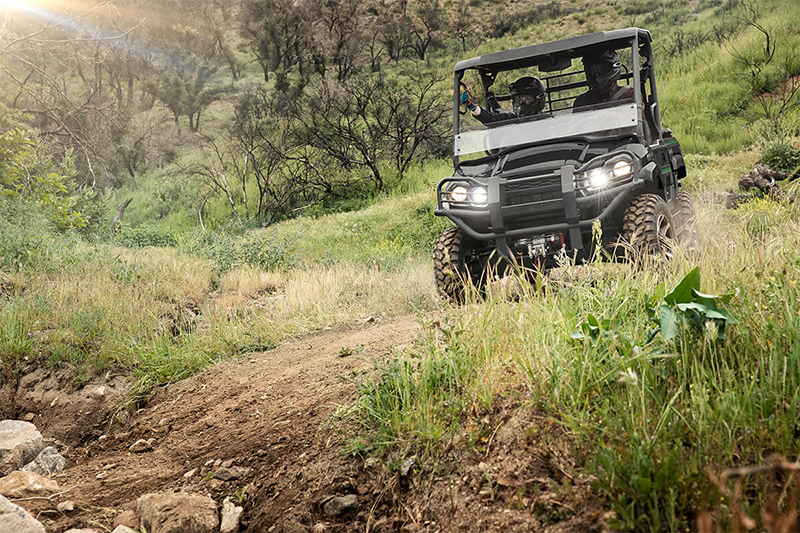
(583, 144)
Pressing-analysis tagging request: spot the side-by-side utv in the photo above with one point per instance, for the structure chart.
(527, 187)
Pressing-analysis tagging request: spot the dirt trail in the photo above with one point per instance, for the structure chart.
(269, 413)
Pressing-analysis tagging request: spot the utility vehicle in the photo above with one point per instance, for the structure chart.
(528, 189)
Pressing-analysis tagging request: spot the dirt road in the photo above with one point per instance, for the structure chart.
(270, 415)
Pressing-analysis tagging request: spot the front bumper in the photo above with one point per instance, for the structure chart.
(544, 205)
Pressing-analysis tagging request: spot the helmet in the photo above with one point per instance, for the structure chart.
(527, 95)
(602, 69)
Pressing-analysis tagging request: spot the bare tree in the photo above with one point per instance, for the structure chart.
(760, 67)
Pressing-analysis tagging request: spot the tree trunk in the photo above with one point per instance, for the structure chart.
(120, 213)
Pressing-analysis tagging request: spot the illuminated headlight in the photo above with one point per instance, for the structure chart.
(459, 193)
(622, 168)
(479, 196)
(598, 178)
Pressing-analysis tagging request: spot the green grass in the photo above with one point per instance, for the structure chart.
(646, 418)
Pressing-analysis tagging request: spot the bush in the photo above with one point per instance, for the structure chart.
(781, 156)
(24, 235)
(228, 251)
(145, 236)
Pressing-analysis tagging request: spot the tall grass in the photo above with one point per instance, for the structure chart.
(163, 313)
(648, 416)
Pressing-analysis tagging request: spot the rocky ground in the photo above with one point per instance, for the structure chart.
(253, 438)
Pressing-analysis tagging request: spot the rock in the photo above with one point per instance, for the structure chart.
(66, 506)
(319, 527)
(15, 518)
(19, 484)
(47, 462)
(190, 474)
(126, 518)
(231, 474)
(341, 505)
(20, 443)
(124, 529)
(227, 464)
(407, 465)
(177, 513)
(83, 531)
(141, 446)
(231, 515)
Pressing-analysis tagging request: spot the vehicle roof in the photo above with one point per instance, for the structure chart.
(519, 57)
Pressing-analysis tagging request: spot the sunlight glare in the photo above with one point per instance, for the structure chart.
(21, 5)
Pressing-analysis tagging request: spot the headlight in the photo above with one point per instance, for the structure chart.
(622, 168)
(459, 193)
(614, 171)
(479, 197)
(598, 178)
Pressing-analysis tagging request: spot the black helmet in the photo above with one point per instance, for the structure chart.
(527, 95)
(602, 69)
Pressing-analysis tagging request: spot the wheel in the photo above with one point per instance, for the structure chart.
(456, 264)
(648, 226)
(688, 234)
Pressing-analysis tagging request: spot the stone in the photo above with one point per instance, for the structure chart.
(319, 527)
(49, 461)
(177, 513)
(124, 529)
(141, 446)
(341, 505)
(126, 518)
(19, 484)
(84, 530)
(231, 474)
(20, 443)
(66, 506)
(190, 474)
(15, 518)
(231, 516)
(408, 465)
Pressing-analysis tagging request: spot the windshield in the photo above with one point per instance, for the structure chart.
(569, 104)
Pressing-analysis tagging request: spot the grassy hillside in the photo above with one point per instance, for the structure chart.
(719, 91)
(654, 416)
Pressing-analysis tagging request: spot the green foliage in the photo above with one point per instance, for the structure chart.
(761, 216)
(687, 309)
(25, 235)
(414, 399)
(29, 174)
(145, 236)
(781, 156)
(229, 251)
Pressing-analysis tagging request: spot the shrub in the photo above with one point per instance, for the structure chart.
(781, 156)
(145, 236)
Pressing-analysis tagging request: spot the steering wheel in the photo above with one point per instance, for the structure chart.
(462, 108)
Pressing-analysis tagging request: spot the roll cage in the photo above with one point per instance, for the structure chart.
(564, 80)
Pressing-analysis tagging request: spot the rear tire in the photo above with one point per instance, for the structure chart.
(648, 226)
(455, 264)
(688, 235)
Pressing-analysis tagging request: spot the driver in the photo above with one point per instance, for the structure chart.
(527, 97)
(602, 72)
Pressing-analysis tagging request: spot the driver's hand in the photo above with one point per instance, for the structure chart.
(466, 99)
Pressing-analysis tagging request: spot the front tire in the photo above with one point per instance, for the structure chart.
(455, 264)
(648, 226)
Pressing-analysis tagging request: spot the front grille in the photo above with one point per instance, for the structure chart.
(532, 201)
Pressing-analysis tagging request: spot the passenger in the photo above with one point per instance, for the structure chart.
(602, 72)
(527, 97)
